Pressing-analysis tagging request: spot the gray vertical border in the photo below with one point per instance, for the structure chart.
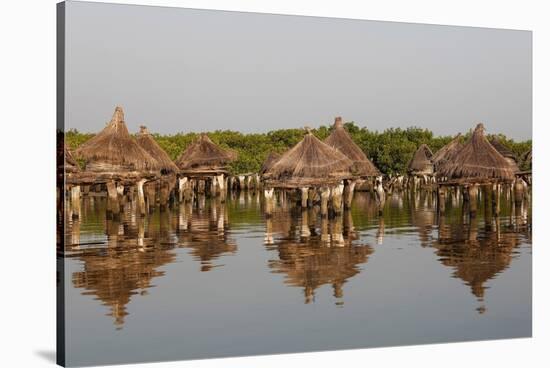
(60, 185)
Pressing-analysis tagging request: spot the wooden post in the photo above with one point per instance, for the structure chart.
(249, 182)
(304, 225)
(325, 195)
(221, 186)
(473, 194)
(241, 182)
(181, 188)
(336, 193)
(113, 206)
(75, 201)
(141, 198)
(336, 233)
(380, 194)
(304, 192)
(325, 237)
(441, 198)
(268, 194)
(311, 193)
(348, 193)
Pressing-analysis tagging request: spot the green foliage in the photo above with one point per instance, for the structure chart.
(390, 150)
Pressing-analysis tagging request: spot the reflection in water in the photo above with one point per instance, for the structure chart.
(314, 251)
(117, 261)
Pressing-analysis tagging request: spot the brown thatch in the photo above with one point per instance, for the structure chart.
(341, 140)
(505, 152)
(478, 159)
(421, 162)
(115, 150)
(447, 152)
(203, 154)
(270, 161)
(71, 166)
(526, 160)
(148, 143)
(310, 162)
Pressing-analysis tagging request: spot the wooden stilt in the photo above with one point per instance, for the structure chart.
(473, 194)
(304, 194)
(141, 198)
(348, 193)
(222, 187)
(113, 199)
(75, 202)
(241, 182)
(325, 195)
(336, 194)
(268, 195)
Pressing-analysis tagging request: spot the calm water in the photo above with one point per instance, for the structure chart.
(221, 280)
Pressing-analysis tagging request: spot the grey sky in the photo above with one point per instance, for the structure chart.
(198, 70)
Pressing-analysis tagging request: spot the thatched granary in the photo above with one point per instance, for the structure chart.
(478, 160)
(309, 163)
(115, 151)
(204, 157)
(505, 152)
(148, 143)
(447, 152)
(421, 163)
(271, 159)
(341, 140)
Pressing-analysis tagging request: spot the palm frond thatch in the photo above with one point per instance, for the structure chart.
(205, 154)
(341, 140)
(421, 160)
(478, 159)
(114, 149)
(505, 152)
(447, 152)
(148, 143)
(310, 162)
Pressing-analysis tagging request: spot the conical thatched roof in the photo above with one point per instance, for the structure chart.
(114, 149)
(447, 152)
(205, 154)
(310, 162)
(148, 143)
(505, 152)
(341, 140)
(421, 161)
(269, 162)
(478, 159)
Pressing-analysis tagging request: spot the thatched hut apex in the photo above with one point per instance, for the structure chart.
(114, 150)
(447, 152)
(148, 143)
(203, 157)
(478, 160)
(421, 163)
(309, 163)
(342, 141)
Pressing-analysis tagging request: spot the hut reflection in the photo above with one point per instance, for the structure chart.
(325, 256)
(123, 266)
(205, 231)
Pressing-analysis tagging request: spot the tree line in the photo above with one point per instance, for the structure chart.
(390, 150)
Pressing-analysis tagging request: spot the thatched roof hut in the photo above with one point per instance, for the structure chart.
(421, 163)
(269, 162)
(71, 166)
(505, 152)
(447, 152)
(148, 143)
(341, 140)
(526, 160)
(478, 160)
(204, 156)
(114, 150)
(309, 163)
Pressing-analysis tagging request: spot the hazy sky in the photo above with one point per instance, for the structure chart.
(181, 70)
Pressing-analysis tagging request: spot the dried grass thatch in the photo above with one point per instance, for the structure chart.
(205, 155)
(115, 150)
(505, 152)
(447, 152)
(269, 162)
(71, 166)
(526, 160)
(148, 143)
(478, 159)
(421, 162)
(310, 162)
(341, 140)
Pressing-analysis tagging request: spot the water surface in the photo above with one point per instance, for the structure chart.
(214, 280)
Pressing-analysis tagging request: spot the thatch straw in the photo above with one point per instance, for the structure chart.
(205, 154)
(270, 161)
(310, 162)
(505, 152)
(341, 140)
(114, 149)
(526, 160)
(478, 159)
(447, 152)
(421, 161)
(71, 166)
(148, 143)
